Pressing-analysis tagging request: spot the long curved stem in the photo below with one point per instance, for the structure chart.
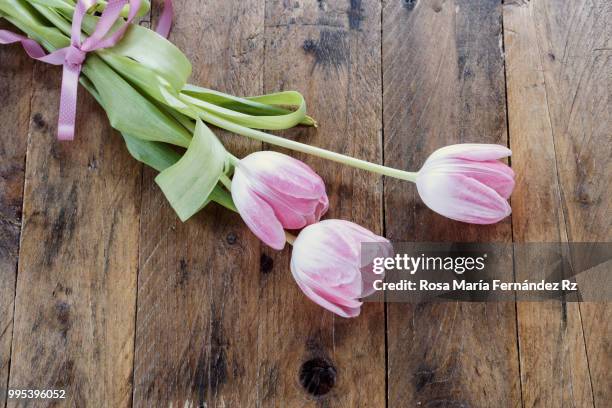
(304, 148)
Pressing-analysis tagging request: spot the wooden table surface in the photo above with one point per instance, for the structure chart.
(106, 294)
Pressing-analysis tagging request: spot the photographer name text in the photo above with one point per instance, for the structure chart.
(463, 285)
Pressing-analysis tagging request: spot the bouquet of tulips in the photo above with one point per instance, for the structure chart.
(140, 80)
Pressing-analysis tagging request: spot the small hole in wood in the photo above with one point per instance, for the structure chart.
(231, 238)
(318, 376)
(265, 264)
(409, 4)
(39, 121)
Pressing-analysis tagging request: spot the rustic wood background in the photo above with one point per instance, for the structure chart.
(105, 293)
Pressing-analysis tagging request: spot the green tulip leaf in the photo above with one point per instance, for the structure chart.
(259, 112)
(128, 110)
(158, 155)
(189, 182)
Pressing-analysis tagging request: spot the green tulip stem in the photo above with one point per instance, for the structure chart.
(304, 148)
(226, 182)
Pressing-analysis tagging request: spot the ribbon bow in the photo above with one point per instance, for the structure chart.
(73, 56)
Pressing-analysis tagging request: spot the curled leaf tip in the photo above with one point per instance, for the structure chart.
(309, 121)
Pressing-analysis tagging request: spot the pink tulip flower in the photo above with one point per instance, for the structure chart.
(327, 264)
(274, 192)
(466, 182)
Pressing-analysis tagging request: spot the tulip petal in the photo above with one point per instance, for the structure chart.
(344, 291)
(492, 173)
(327, 264)
(288, 216)
(295, 192)
(293, 213)
(327, 270)
(256, 213)
(462, 198)
(322, 207)
(325, 243)
(382, 249)
(341, 311)
(472, 151)
(296, 179)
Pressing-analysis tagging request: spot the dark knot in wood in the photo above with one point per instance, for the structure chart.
(231, 238)
(39, 121)
(317, 376)
(265, 264)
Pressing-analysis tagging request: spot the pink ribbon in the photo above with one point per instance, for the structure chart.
(73, 56)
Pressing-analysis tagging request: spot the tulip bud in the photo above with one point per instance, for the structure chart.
(328, 265)
(273, 192)
(466, 182)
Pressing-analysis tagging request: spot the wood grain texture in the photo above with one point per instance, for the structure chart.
(15, 93)
(76, 286)
(559, 66)
(198, 291)
(121, 304)
(443, 79)
(579, 92)
(547, 159)
(330, 51)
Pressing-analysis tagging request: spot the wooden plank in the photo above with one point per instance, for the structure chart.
(554, 365)
(576, 65)
(198, 290)
(15, 92)
(571, 42)
(596, 318)
(76, 286)
(443, 83)
(330, 51)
